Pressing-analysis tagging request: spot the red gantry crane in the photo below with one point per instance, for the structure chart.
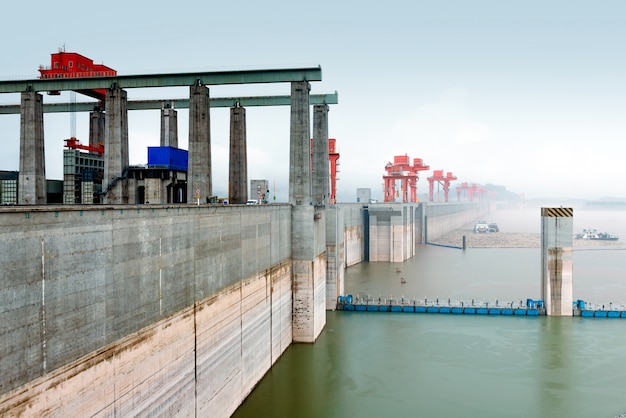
(442, 179)
(72, 65)
(472, 190)
(401, 169)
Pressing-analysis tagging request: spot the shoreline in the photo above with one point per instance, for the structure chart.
(513, 240)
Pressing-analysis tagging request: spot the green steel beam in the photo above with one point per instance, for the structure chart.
(164, 80)
(179, 103)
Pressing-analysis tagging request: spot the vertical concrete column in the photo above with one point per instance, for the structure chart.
(335, 255)
(32, 176)
(308, 239)
(300, 145)
(169, 127)
(97, 123)
(557, 241)
(238, 160)
(321, 167)
(116, 147)
(199, 166)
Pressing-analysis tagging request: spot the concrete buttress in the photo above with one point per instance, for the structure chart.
(308, 237)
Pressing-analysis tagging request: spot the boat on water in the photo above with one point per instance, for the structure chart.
(594, 235)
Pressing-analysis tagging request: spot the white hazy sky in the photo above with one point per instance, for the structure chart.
(528, 94)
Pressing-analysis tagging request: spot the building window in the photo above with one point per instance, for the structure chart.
(56, 65)
(70, 64)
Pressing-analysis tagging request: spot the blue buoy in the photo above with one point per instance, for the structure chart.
(408, 309)
(482, 311)
(469, 311)
(420, 309)
(457, 310)
(444, 310)
(432, 309)
(519, 312)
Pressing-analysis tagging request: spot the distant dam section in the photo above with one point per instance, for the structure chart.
(175, 310)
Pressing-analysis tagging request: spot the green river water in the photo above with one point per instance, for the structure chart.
(436, 365)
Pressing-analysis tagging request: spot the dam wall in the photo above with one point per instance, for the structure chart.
(175, 310)
(354, 237)
(441, 218)
(150, 310)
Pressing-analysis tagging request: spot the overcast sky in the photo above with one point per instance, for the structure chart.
(527, 94)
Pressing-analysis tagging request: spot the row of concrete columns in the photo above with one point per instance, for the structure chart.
(308, 177)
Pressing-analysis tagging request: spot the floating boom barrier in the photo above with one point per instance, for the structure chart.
(473, 307)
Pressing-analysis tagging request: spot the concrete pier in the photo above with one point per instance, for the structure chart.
(116, 147)
(320, 168)
(199, 168)
(97, 123)
(169, 127)
(308, 238)
(557, 241)
(238, 157)
(32, 177)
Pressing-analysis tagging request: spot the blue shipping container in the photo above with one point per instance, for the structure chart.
(167, 157)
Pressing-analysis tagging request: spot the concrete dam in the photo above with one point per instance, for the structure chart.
(177, 310)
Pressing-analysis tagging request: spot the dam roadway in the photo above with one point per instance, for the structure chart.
(177, 310)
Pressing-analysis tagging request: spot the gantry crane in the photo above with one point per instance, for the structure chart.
(72, 65)
(441, 179)
(472, 190)
(401, 169)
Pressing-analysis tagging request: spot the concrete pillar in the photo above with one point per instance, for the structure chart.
(32, 176)
(199, 167)
(321, 167)
(308, 239)
(557, 241)
(169, 127)
(116, 148)
(300, 145)
(238, 160)
(335, 255)
(97, 123)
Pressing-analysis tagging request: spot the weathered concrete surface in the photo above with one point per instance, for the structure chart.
(557, 242)
(308, 255)
(238, 157)
(32, 176)
(116, 146)
(335, 255)
(169, 127)
(158, 310)
(199, 181)
(81, 284)
(353, 233)
(441, 218)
